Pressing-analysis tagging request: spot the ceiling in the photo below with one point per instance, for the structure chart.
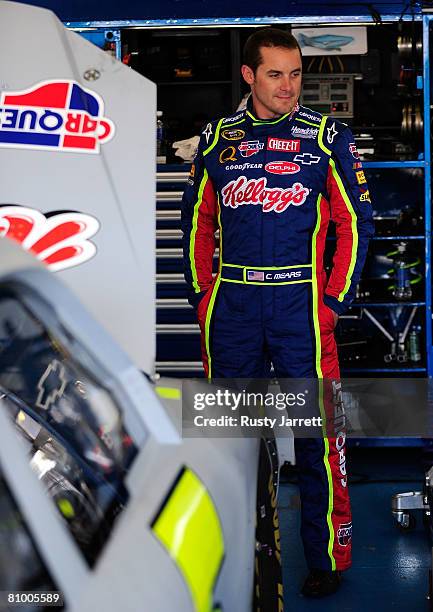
(313, 11)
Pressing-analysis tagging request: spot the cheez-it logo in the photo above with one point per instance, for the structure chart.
(283, 144)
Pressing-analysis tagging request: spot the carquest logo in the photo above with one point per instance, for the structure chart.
(282, 167)
(233, 134)
(54, 116)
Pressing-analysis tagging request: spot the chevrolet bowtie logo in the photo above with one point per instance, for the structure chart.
(306, 158)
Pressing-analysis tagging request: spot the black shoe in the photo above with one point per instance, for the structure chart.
(320, 583)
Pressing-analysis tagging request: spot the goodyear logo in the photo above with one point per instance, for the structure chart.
(55, 116)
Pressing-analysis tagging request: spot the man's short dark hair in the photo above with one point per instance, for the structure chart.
(267, 37)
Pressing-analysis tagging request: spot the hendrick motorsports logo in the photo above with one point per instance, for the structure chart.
(60, 240)
(304, 132)
(54, 116)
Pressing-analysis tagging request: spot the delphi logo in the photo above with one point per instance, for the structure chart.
(282, 167)
(60, 240)
(54, 116)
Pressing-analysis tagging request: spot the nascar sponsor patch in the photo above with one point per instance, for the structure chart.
(228, 154)
(353, 150)
(233, 119)
(55, 116)
(357, 165)
(250, 147)
(282, 167)
(344, 534)
(242, 191)
(360, 177)
(233, 134)
(307, 159)
(310, 117)
(244, 166)
(304, 132)
(60, 240)
(365, 196)
(283, 144)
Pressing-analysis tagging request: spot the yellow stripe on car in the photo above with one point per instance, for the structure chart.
(168, 393)
(189, 528)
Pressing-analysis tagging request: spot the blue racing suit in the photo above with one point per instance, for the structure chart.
(271, 187)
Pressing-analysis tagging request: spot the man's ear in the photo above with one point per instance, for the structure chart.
(248, 74)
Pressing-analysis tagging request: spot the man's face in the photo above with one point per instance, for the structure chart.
(276, 86)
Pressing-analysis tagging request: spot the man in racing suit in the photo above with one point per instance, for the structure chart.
(270, 178)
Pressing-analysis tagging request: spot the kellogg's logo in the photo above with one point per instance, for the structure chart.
(344, 534)
(242, 191)
(54, 116)
(59, 240)
(282, 167)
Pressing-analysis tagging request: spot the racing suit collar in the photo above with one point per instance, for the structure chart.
(256, 121)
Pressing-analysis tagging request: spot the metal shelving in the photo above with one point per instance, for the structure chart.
(170, 175)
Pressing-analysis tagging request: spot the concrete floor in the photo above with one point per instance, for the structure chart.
(390, 569)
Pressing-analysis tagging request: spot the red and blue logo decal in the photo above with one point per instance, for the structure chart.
(59, 239)
(250, 147)
(54, 115)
